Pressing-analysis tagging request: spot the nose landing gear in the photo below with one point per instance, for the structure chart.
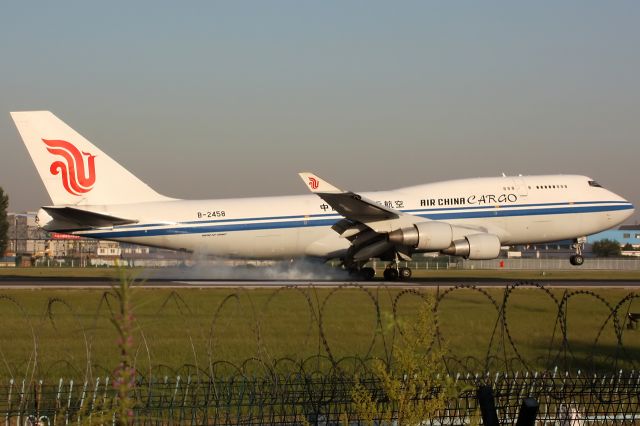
(578, 259)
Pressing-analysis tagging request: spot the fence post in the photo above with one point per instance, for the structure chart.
(487, 406)
(528, 412)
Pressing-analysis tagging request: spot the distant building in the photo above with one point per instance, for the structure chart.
(25, 237)
(625, 234)
(30, 245)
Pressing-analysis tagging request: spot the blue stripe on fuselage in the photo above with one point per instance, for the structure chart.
(432, 214)
(326, 215)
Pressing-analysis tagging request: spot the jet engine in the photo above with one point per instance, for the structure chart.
(475, 247)
(424, 236)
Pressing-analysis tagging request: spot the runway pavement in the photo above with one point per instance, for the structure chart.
(103, 283)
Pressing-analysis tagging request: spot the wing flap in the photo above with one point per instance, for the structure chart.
(354, 206)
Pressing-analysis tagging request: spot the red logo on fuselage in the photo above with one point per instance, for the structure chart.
(77, 177)
(313, 183)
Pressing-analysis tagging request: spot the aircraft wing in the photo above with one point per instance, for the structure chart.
(352, 206)
(366, 223)
(378, 231)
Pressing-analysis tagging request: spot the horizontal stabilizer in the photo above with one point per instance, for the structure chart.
(85, 219)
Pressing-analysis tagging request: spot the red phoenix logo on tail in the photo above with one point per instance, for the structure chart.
(313, 183)
(77, 178)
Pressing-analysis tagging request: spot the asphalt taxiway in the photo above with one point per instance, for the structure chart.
(103, 283)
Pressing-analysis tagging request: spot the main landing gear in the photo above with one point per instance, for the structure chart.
(367, 273)
(578, 259)
(360, 272)
(392, 272)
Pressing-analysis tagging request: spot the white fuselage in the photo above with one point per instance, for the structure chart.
(519, 210)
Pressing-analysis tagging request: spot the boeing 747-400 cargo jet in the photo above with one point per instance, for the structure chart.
(94, 196)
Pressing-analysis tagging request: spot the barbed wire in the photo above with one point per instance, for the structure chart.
(502, 348)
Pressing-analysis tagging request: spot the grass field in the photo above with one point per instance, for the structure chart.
(69, 332)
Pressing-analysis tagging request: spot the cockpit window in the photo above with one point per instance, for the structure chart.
(594, 183)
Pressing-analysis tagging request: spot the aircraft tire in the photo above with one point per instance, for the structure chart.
(367, 273)
(405, 273)
(391, 274)
(576, 260)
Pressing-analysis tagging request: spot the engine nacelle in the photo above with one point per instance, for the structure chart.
(424, 236)
(475, 247)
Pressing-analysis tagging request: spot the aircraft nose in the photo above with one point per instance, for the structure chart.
(630, 210)
(626, 209)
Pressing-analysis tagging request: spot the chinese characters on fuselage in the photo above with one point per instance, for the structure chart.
(484, 199)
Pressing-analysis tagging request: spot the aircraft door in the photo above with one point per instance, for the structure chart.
(522, 190)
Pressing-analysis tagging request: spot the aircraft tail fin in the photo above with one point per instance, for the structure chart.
(73, 170)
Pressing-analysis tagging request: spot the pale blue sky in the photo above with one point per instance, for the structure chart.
(207, 100)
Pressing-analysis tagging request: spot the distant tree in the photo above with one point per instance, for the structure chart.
(606, 248)
(4, 224)
(628, 247)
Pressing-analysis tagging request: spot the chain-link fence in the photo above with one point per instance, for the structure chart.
(548, 264)
(596, 263)
(564, 399)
